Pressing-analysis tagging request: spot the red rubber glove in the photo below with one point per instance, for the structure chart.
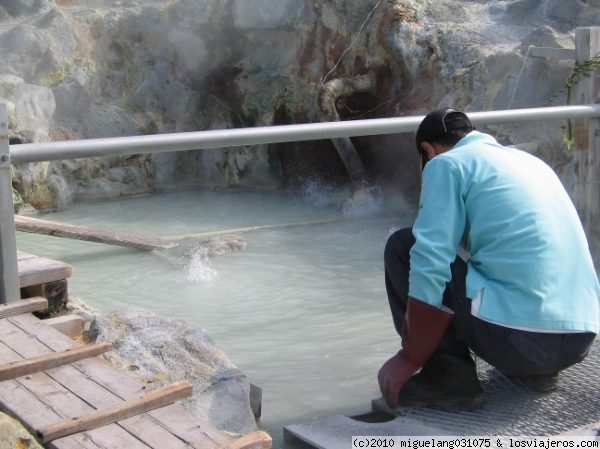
(423, 329)
(393, 375)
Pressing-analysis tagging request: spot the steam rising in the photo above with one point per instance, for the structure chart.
(199, 269)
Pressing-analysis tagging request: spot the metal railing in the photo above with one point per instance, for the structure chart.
(119, 146)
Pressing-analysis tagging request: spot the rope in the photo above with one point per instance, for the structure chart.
(512, 97)
(580, 72)
(323, 80)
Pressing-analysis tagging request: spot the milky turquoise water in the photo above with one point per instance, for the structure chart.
(301, 310)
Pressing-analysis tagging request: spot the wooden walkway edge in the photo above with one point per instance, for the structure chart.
(35, 270)
(91, 404)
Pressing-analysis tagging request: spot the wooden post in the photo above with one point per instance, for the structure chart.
(586, 145)
(9, 275)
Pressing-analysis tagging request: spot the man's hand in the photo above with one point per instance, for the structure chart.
(393, 375)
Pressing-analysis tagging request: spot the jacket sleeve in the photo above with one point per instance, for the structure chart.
(438, 230)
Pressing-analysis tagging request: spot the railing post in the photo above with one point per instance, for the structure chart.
(9, 281)
(586, 145)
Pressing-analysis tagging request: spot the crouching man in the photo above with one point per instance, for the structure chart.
(526, 299)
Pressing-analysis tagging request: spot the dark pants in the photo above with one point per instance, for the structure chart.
(514, 352)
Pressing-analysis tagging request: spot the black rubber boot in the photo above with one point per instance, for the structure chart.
(445, 382)
(538, 384)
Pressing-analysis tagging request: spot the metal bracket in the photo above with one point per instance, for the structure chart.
(4, 160)
(552, 53)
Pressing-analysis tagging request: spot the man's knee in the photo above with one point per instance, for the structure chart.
(398, 246)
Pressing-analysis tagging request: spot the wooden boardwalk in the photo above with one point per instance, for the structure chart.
(71, 398)
(35, 271)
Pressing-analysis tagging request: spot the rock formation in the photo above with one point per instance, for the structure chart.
(72, 69)
(160, 350)
(14, 435)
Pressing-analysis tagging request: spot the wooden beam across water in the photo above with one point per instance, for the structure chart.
(78, 232)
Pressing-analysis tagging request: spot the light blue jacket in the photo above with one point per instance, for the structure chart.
(530, 260)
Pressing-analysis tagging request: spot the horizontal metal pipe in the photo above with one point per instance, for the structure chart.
(161, 143)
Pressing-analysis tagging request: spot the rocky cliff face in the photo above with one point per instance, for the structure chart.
(73, 69)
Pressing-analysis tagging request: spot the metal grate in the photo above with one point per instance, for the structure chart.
(509, 409)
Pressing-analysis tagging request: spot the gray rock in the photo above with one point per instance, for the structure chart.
(34, 108)
(102, 120)
(55, 25)
(14, 435)
(22, 49)
(190, 51)
(9, 84)
(10, 108)
(520, 11)
(265, 14)
(8, 434)
(565, 14)
(201, 10)
(160, 351)
(60, 191)
(20, 7)
(72, 98)
(129, 67)
(546, 36)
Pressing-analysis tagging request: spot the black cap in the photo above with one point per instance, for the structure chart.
(439, 122)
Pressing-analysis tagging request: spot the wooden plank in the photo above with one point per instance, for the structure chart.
(151, 432)
(40, 270)
(7, 355)
(49, 392)
(78, 232)
(14, 399)
(69, 325)
(33, 290)
(23, 306)
(36, 329)
(254, 440)
(175, 418)
(54, 396)
(17, 340)
(108, 437)
(87, 421)
(22, 255)
(78, 441)
(68, 405)
(143, 427)
(19, 403)
(44, 362)
(196, 432)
